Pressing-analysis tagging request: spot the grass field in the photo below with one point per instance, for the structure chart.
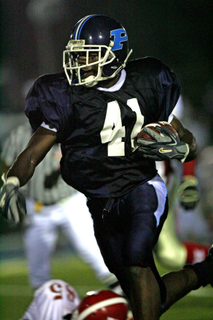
(16, 294)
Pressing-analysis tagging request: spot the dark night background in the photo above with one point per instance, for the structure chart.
(33, 34)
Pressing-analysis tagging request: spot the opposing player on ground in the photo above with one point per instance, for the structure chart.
(54, 300)
(102, 305)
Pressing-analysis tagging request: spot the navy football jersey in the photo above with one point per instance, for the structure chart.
(97, 129)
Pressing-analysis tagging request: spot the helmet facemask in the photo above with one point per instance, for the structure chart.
(105, 59)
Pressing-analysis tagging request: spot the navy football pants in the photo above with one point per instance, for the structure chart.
(127, 228)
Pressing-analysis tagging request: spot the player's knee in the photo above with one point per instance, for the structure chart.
(142, 258)
(137, 273)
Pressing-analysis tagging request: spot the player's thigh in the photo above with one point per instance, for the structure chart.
(128, 232)
(146, 209)
(77, 223)
(107, 233)
(40, 228)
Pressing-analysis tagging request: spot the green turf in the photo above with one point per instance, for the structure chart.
(16, 294)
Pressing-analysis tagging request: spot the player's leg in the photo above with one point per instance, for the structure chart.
(78, 228)
(169, 247)
(178, 284)
(147, 291)
(126, 235)
(39, 241)
(196, 252)
(174, 254)
(191, 277)
(110, 240)
(169, 250)
(145, 282)
(145, 295)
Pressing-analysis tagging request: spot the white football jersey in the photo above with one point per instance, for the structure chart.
(52, 301)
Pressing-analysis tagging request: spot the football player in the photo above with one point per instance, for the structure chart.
(182, 188)
(95, 109)
(183, 195)
(54, 300)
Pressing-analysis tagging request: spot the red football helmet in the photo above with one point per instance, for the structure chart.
(102, 305)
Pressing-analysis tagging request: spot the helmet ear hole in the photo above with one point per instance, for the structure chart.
(108, 70)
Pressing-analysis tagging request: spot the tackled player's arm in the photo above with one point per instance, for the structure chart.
(38, 146)
(185, 136)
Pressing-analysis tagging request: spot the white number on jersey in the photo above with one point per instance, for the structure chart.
(113, 131)
(57, 289)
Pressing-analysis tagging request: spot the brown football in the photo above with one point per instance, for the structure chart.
(143, 135)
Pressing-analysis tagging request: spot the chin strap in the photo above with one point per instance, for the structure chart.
(90, 83)
(125, 61)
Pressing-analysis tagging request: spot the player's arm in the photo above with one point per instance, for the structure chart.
(38, 146)
(185, 136)
(188, 191)
(12, 203)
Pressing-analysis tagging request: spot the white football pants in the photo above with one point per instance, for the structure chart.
(42, 229)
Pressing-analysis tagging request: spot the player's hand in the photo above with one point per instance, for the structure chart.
(12, 202)
(188, 193)
(164, 146)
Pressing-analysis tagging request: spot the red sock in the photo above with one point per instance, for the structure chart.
(195, 252)
(189, 168)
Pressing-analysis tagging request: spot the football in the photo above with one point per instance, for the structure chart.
(144, 135)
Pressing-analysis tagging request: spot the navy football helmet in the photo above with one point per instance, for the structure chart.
(103, 44)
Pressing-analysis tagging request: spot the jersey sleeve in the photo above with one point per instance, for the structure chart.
(45, 103)
(167, 91)
(157, 84)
